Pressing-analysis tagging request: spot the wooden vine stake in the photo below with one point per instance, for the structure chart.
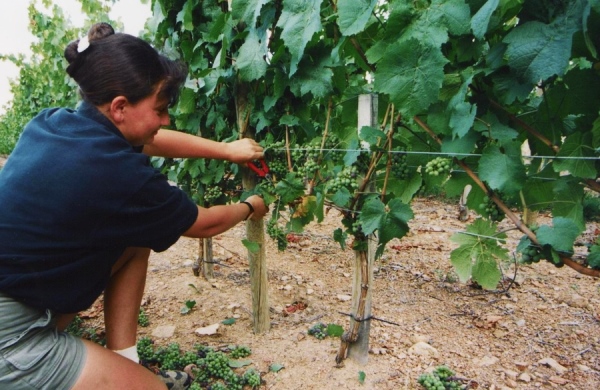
(205, 259)
(255, 231)
(355, 342)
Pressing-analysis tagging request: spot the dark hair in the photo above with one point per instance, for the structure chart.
(115, 64)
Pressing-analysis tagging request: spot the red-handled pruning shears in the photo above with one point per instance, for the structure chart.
(263, 171)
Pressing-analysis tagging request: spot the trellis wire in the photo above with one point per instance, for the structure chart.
(438, 153)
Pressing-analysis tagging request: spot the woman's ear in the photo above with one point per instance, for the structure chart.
(117, 109)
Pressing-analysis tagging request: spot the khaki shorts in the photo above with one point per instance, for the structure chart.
(33, 353)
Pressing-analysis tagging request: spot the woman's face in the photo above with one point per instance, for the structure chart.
(142, 120)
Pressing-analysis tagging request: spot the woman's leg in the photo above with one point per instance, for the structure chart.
(123, 297)
(106, 370)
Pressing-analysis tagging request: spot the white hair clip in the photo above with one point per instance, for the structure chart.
(83, 44)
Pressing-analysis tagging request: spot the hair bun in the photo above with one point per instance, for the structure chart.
(99, 31)
(96, 32)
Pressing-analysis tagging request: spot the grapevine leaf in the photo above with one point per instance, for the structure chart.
(187, 101)
(335, 330)
(340, 237)
(437, 19)
(354, 15)
(251, 58)
(576, 150)
(299, 21)
(486, 272)
(390, 221)
(405, 189)
(454, 14)
(461, 146)
(502, 168)
(463, 116)
(477, 255)
(462, 113)
(561, 235)
(352, 153)
(289, 120)
(252, 246)
(247, 11)
(341, 197)
(412, 74)
(538, 194)
(593, 258)
(371, 135)
(509, 88)
(306, 206)
(185, 15)
(290, 188)
(496, 129)
(568, 203)
(481, 20)
(313, 78)
(537, 51)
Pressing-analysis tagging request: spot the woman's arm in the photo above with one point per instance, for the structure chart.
(218, 219)
(175, 144)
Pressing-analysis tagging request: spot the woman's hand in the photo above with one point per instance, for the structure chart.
(260, 208)
(243, 150)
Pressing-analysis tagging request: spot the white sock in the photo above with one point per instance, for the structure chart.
(130, 353)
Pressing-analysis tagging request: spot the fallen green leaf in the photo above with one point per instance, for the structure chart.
(239, 363)
(276, 367)
(361, 377)
(335, 330)
(228, 321)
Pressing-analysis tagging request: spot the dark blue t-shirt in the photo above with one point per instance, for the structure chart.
(73, 195)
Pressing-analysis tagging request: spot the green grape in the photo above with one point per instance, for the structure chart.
(319, 331)
(143, 320)
(490, 210)
(212, 193)
(252, 378)
(240, 352)
(195, 386)
(331, 144)
(442, 378)
(347, 178)
(399, 167)
(438, 166)
(145, 349)
(277, 234)
(531, 254)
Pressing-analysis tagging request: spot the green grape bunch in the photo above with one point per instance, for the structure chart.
(277, 234)
(305, 159)
(240, 351)
(490, 210)
(251, 378)
(399, 167)
(531, 254)
(347, 178)
(438, 166)
(275, 155)
(442, 378)
(332, 150)
(212, 193)
(318, 330)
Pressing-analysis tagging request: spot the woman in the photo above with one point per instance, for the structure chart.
(81, 208)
